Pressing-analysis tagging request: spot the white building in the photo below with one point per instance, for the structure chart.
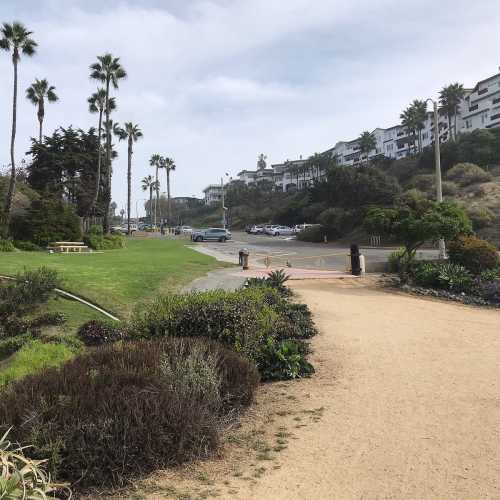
(213, 194)
(481, 108)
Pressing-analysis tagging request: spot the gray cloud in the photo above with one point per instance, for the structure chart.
(214, 83)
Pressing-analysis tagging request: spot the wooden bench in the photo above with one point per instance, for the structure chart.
(68, 246)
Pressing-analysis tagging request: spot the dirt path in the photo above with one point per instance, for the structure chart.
(411, 391)
(405, 404)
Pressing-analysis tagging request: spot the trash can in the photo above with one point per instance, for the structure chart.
(355, 260)
(243, 258)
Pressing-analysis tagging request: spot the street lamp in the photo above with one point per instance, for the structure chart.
(437, 159)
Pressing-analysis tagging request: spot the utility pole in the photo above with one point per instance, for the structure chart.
(437, 157)
(222, 200)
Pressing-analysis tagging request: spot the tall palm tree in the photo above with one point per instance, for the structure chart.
(450, 98)
(169, 165)
(419, 113)
(154, 161)
(36, 93)
(366, 143)
(15, 39)
(132, 133)
(97, 104)
(109, 71)
(148, 183)
(409, 122)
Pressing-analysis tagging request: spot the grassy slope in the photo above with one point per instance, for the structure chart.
(118, 279)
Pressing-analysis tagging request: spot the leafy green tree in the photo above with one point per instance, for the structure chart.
(449, 99)
(36, 93)
(16, 40)
(131, 133)
(413, 225)
(97, 104)
(367, 143)
(109, 71)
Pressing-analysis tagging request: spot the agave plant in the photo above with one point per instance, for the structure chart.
(22, 477)
(455, 277)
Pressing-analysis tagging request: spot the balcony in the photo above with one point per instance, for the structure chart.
(473, 108)
(482, 91)
(496, 101)
(495, 117)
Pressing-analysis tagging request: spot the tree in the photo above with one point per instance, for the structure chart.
(109, 71)
(132, 133)
(415, 224)
(36, 93)
(154, 161)
(367, 143)
(16, 39)
(449, 99)
(149, 184)
(169, 165)
(408, 120)
(97, 104)
(419, 113)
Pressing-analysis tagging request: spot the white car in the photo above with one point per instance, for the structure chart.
(281, 231)
(269, 229)
(256, 230)
(300, 227)
(186, 230)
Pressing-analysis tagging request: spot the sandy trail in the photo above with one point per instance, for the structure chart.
(411, 391)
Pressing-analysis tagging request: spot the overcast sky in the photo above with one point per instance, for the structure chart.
(213, 83)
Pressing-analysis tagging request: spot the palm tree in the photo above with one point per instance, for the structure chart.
(109, 71)
(366, 143)
(37, 92)
(154, 161)
(450, 98)
(97, 104)
(169, 165)
(408, 121)
(132, 133)
(16, 39)
(148, 183)
(419, 113)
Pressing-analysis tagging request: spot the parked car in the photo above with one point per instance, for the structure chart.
(300, 227)
(269, 229)
(211, 234)
(256, 230)
(281, 231)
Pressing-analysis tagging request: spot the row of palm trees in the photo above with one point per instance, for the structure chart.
(16, 39)
(150, 183)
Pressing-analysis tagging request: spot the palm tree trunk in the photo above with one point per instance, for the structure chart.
(107, 197)
(157, 199)
(151, 205)
(169, 207)
(12, 183)
(455, 126)
(41, 113)
(449, 127)
(98, 175)
(129, 182)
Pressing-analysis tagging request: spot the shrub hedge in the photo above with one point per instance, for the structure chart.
(98, 241)
(96, 332)
(6, 245)
(255, 321)
(473, 253)
(126, 409)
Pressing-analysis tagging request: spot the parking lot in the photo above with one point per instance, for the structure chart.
(282, 251)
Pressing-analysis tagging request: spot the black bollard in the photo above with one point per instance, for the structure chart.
(355, 261)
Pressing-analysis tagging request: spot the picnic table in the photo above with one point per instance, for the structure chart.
(68, 246)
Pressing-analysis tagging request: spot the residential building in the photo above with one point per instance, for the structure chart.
(213, 194)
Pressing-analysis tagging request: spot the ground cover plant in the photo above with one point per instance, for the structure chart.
(125, 409)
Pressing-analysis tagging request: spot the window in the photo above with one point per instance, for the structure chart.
(495, 117)
(482, 91)
(425, 136)
(484, 117)
(468, 123)
(473, 108)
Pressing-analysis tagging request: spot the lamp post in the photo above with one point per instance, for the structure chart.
(437, 160)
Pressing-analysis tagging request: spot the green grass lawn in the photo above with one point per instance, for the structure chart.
(119, 279)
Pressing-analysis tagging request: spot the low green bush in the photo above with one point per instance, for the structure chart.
(426, 274)
(490, 274)
(466, 174)
(449, 276)
(6, 245)
(48, 319)
(26, 246)
(12, 344)
(96, 239)
(480, 217)
(122, 410)
(249, 320)
(473, 253)
(394, 260)
(312, 234)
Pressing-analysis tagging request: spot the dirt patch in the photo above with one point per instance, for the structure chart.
(405, 404)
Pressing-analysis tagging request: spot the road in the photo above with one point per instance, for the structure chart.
(282, 250)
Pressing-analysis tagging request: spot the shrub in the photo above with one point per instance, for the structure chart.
(275, 279)
(22, 477)
(46, 221)
(449, 188)
(98, 241)
(490, 274)
(466, 174)
(313, 234)
(30, 289)
(26, 246)
(490, 291)
(426, 274)
(6, 245)
(454, 277)
(249, 320)
(473, 253)
(480, 217)
(10, 345)
(48, 319)
(126, 409)
(394, 260)
(97, 332)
